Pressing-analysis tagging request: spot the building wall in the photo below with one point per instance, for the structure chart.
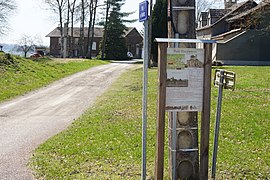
(251, 48)
(204, 33)
(134, 43)
(55, 46)
(220, 28)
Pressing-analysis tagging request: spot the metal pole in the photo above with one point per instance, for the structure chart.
(174, 145)
(220, 90)
(144, 99)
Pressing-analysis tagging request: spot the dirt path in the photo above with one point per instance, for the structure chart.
(27, 121)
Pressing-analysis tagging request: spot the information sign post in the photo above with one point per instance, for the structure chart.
(143, 17)
(184, 86)
(223, 80)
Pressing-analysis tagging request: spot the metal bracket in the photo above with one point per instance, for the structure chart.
(183, 8)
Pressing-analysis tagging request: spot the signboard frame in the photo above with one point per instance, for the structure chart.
(205, 115)
(228, 81)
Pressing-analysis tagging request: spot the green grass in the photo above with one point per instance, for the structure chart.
(244, 135)
(105, 143)
(19, 75)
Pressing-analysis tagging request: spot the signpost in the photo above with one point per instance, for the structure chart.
(143, 17)
(184, 86)
(223, 79)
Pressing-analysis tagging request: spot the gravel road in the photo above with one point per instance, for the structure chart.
(29, 120)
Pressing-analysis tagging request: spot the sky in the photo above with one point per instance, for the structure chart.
(31, 18)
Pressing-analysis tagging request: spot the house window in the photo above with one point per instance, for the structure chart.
(94, 46)
(76, 41)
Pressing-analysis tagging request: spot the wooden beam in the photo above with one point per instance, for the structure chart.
(162, 66)
(205, 121)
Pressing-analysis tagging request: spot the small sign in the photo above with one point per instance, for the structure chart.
(185, 74)
(229, 79)
(143, 11)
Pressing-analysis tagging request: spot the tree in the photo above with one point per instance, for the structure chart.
(104, 39)
(71, 9)
(92, 20)
(204, 5)
(81, 41)
(159, 25)
(150, 33)
(114, 45)
(6, 8)
(59, 8)
(26, 44)
(257, 18)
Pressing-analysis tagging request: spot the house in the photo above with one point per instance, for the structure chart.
(241, 32)
(134, 41)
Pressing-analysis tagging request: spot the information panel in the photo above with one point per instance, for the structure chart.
(184, 85)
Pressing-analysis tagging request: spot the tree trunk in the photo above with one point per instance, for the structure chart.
(105, 29)
(150, 35)
(61, 27)
(91, 6)
(82, 53)
(72, 26)
(93, 29)
(68, 39)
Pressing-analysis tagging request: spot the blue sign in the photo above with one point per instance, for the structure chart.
(143, 11)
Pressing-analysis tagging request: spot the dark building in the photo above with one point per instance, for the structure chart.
(241, 32)
(134, 41)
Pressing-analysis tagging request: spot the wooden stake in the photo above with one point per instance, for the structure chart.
(205, 121)
(162, 66)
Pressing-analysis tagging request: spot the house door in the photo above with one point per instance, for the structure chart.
(137, 51)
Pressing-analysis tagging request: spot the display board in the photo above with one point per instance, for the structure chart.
(184, 84)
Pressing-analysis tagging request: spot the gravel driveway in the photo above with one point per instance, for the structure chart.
(27, 121)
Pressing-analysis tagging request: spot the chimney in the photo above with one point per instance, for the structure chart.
(229, 3)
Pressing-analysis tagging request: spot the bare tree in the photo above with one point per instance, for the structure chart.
(92, 20)
(81, 41)
(26, 44)
(203, 5)
(71, 7)
(91, 9)
(6, 8)
(59, 8)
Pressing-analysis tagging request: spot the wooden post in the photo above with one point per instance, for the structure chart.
(162, 66)
(205, 121)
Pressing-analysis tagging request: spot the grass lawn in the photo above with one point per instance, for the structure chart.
(19, 75)
(105, 143)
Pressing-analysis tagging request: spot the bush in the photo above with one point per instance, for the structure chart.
(6, 59)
